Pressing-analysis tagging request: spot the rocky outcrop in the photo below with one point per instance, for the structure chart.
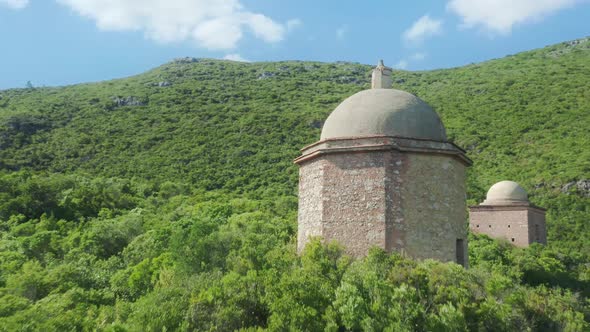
(265, 75)
(316, 124)
(185, 60)
(577, 41)
(348, 80)
(127, 101)
(582, 186)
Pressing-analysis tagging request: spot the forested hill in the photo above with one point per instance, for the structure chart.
(150, 178)
(221, 124)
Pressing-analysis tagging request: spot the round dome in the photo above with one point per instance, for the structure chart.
(385, 112)
(505, 192)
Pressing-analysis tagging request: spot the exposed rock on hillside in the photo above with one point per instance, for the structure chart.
(185, 60)
(127, 101)
(265, 75)
(583, 186)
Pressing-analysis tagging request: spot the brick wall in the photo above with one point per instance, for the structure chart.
(519, 224)
(537, 226)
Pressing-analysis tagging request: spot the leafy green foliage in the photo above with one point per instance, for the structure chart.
(130, 205)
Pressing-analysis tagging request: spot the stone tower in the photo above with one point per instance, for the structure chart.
(507, 214)
(383, 174)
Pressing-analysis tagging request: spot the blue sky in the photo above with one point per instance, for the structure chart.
(59, 42)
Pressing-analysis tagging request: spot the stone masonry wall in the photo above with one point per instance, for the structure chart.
(509, 223)
(310, 201)
(353, 192)
(537, 226)
(410, 202)
(433, 205)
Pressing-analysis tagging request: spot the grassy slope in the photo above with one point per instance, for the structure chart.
(237, 126)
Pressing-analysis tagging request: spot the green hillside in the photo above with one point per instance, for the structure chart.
(168, 199)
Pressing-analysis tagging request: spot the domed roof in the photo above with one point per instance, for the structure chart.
(384, 112)
(506, 192)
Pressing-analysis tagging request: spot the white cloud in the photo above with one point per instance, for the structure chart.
(402, 64)
(341, 32)
(235, 57)
(213, 24)
(14, 4)
(501, 15)
(418, 56)
(293, 24)
(423, 28)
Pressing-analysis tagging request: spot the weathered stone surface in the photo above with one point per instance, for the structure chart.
(433, 206)
(583, 186)
(386, 112)
(348, 80)
(353, 200)
(395, 193)
(316, 124)
(506, 192)
(381, 143)
(127, 101)
(381, 77)
(311, 203)
(519, 224)
(265, 75)
(185, 60)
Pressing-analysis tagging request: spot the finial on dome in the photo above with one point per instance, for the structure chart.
(381, 78)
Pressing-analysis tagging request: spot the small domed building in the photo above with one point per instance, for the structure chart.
(384, 174)
(506, 213)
